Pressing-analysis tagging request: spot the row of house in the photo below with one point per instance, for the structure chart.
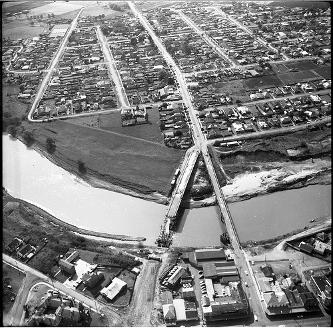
(23, 250)
(81, 82)
(145, 75)
(36, 55)
(297, 32)
(190, 50)
(174, 125)
(218, 121)
(284, 294)
(239, 45)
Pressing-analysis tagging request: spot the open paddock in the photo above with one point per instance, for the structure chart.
(132, 163)
(325, 71)
(21, 29)
(262, 82)
(295, 77)
(301, 65)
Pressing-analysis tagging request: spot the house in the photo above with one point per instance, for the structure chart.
(25, 251)
(322, 236)
(113, 289)
(323, 288)
(169, 314)
(268, 271)
(319, 247)
(276, 302)
(91, 280)
(305, 247)
(175, 277)
(67, 267)
(71, 314)
(15, 244)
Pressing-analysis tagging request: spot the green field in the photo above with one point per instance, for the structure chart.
(325, 72)
(301, 65)
(24, 5)
(139, 165)
(295, 77)
(262, 82)
(21, 29)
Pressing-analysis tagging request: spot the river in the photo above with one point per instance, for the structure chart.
(275, 214)
(30, 176)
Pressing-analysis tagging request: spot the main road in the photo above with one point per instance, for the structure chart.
(55, 61)
(199, 140)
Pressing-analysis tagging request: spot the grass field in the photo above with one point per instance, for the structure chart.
(295, 77)
(23, 5)
(132, 163)
(10, 103)
(21, 29)
(112, 122)
(301, 65)
(56, 8)
(325, 72)
(262, 82)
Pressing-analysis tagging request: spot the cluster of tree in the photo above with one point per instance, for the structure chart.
(50, 145)
(29, 138)
(116, 7)
(165, 77)
(81, 167)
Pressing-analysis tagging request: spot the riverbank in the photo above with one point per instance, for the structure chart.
(278, 176)
(70, 227)
(97, 180)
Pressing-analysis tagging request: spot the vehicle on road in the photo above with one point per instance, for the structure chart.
(246, 273)
(255, 317)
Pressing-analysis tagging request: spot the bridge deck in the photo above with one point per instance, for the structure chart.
(185, 174)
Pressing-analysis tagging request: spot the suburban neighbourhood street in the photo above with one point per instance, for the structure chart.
(91, 303)
(112, 68)
(203, 34)
(271, 133)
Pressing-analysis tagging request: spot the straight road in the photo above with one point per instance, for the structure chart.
(91, 303)
(208, 40)
(248, 31)
(273, 132)
(199, 140)
(53, 64)
(112, 68)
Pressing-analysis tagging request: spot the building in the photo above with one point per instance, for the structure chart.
(67, 267)
(15, 244)
(319, 247)
(169, 314)
(91, 280)
(219, 269)
(175, 277)
(113, 289)
(185, 310)
(323, 288)
(276, 302)
(305, 247)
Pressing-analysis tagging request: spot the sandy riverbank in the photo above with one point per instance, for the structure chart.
(278, 176)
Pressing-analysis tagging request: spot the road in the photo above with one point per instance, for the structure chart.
(273, 132)
(88, 302)
(53, 64)
(112, 68)
(208, 40)
(248, 31)
(199, 140)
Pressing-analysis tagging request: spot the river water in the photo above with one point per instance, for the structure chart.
(30, 176)
(275, 214)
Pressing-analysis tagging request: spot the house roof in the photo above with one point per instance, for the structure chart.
(209, 254)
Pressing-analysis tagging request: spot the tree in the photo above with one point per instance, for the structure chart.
(12, 130)
(29, 138)
(81, 167)
(50, 145)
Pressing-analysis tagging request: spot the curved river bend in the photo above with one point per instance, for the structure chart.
(30, 176)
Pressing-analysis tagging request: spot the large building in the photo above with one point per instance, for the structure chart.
(111, 291)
